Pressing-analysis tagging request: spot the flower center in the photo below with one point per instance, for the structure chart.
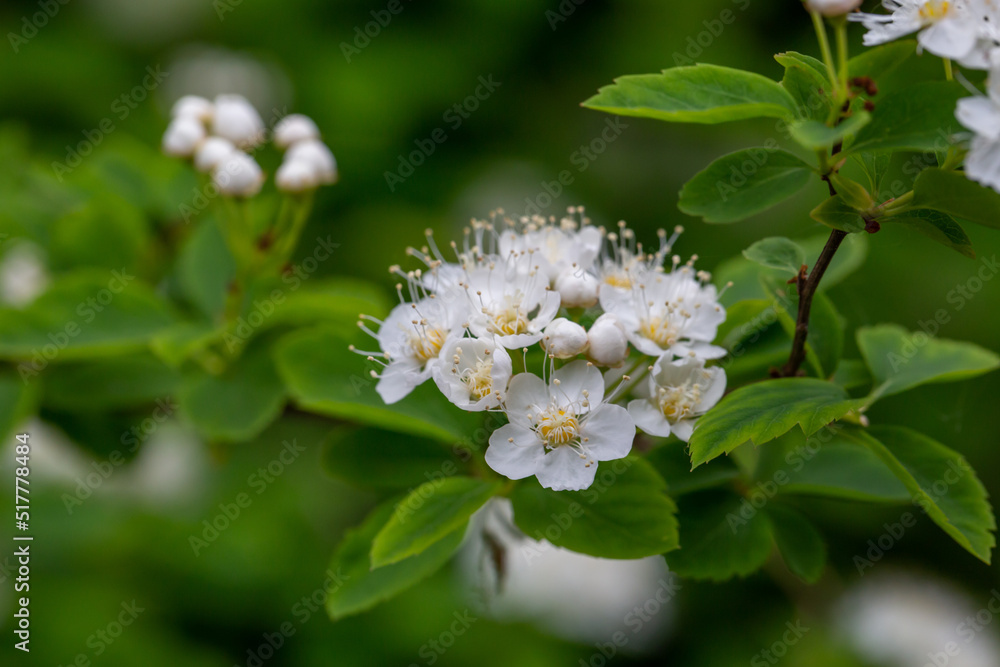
(480, 379)
(934, 10)
(509, 317)
(619, 279)
(677, 403)
(426, 342)
(660, 330)
(558, 427)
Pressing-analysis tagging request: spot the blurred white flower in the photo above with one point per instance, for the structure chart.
(23, 275)
(182, 136)
(559, 431)
(315, 153)
(903, 620)
(238, 175)
(678, 393)
(211, 152)
(294, 128)
(296, 176)
(473, 373)
(237, 120)
(193, 106)
(981, 115)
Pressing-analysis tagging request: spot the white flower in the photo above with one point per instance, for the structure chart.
(193, 106)
(571, 243)
(473, 373)
(577, 288)
(296, 176)
(411, 339)
(676, 313)
(238, 175)
(211, 152)
(315, 153)
(182, 136)
(564, 339)
(981, 114)
(833, 7)
(510, 299)
(23, 275)
(294, 128)
(557, 432)
(947, 28)
(623, 261)
(237, 120)
(679, 393)
(608, 344)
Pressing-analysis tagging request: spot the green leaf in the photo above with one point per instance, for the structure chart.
(825, 343)
(953, 193)
(941, 482)
(814, 135)
(698, 94)
(373, 458)
(110, 384)
(324, 377)
(938, 227)
(763, 411)
(777, 252)
(360, 587)
(17, 401)
(918, 118)
(900, 360)
(837, 213)
(106, 233)
(827, 464)
(428, 514)
(879, 61)
(852, 374)
(799, 542)
(238, 404)
(721, 535)
(807, 81)
(204, 269)
(875, 166)
(293, 301)
(743, 183)
(625, 514)
(674, 465)
(83, 315)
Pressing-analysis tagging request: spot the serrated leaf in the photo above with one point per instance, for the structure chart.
(900, 360)
(878, 61)
(918, 118)
(799, 542)
(807, 81)
(941, 483)
(953, 193)
(743, 183)
(765, 410)
(626, 513)
(815, 135)
(836, 213)
(428, 514)
(721, 535)
(698, 94)
(777, 252)
(938, 227)
(359, 586)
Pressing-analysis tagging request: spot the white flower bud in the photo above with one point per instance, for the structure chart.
(182, 136)
(833, 7)
(564, 339)
(577, 288)
(211, 152)
(296, 176)
(192, 106)
(318, 155)
(608, 343)
(238, 175)
(294, 128)
(236, 119)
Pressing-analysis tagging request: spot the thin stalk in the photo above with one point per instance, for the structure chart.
(842, 59)
(824, 47)
(949, 70)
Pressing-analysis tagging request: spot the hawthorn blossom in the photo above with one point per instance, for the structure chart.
(953, 29)
(473, 373)
(559, 431)
(678, 393)
(607, 341)
(571, 244)
(981, 115)
(669, 313)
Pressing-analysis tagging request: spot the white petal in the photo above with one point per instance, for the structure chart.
(527, 394)
(562, 469)
(980, 115)
(715, 391)
(609, 431)
(573, 380)
(684, 428)
(549, 307)
(398, 379)
(949, 38)
(518, 459)
(648, 418)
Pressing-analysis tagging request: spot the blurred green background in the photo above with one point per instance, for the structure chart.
(373, 102)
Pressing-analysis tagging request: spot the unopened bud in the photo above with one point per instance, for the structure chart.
(564, 339)
(608, 343)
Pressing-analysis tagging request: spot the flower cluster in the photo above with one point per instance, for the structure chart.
(598, 307)
(220, 136)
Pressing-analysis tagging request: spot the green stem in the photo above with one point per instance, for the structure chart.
(824, 47)
(949, 70)
(840, 30)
